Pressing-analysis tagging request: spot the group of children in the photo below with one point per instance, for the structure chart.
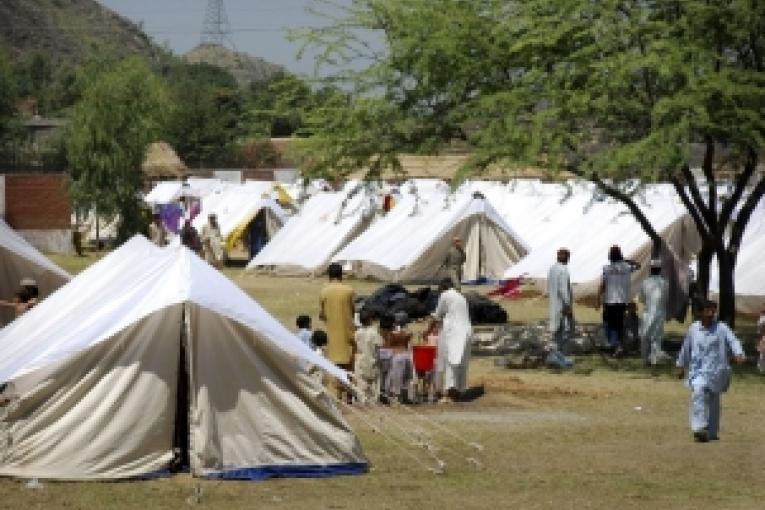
(382, 368)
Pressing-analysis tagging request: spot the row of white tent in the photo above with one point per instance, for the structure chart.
(97, 374)
(514, 231)
(234, 205)
(510, 230)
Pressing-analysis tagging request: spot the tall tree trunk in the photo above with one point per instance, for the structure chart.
(726, 262)
(703, 266)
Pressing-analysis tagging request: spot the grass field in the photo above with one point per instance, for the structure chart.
(615, 438)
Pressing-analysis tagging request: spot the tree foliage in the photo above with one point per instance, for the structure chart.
(7, 97)
(615, 91)
(120, 113)
(207, 115)
(280, 106)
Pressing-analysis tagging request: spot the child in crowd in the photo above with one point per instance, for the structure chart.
(304, 333)
(430, 335)
(366, 369)
(385, 353)
(319, 342)
(400, 374)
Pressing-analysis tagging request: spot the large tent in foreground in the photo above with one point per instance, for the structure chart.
(152, 350)
(19, 259)
(411, 242)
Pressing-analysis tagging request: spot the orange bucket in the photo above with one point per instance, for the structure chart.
(423, 357)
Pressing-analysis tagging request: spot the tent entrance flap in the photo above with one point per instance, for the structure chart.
(181, 430)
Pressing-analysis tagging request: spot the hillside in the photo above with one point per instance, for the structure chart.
(69, 31)
(244, 67)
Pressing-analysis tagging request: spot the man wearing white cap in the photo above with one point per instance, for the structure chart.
(653, 294)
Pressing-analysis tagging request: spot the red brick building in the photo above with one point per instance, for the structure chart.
(38, 207)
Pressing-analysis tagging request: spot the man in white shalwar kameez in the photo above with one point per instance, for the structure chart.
(560, 298)
(705, 353)
(453, 351)
(653, 294)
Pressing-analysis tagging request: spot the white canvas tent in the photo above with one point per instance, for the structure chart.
(237, 206)
(97, 373)
(324, 224)
(411, 242)
(165, 192)
(19, 259)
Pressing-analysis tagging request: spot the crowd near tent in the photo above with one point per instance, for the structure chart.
(246, 213)
(577, 218)
(152, 349)
(411, 242)
(325, 223)
(19, 259)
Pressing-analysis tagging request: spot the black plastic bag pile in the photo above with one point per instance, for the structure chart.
(392, 298)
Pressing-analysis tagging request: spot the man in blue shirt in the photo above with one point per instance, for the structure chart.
(705, 353)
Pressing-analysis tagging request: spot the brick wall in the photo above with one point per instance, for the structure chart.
(37, 202)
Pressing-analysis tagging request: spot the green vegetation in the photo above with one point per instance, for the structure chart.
(120, 113)
(619, 92)
(7, 95)
(207, 115)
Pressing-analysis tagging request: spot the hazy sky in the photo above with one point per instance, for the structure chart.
(259, 26)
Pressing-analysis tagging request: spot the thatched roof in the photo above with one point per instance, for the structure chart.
(446, 166)
(162, 161)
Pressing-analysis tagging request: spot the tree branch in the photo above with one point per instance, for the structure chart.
(702, 207)
(741, 181)
(737, 231)
(626, 200)
(701, 226)
(708, 168)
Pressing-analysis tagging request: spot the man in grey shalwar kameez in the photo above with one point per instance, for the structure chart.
(705, 353)
(453, 351)
(560, 298)
(653, 294)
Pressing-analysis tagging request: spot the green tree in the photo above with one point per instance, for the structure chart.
(207, 116)
(619, 92)
(120, 113)
(280, 106)
(7, 98)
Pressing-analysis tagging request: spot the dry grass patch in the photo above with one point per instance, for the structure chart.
(616, 438)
